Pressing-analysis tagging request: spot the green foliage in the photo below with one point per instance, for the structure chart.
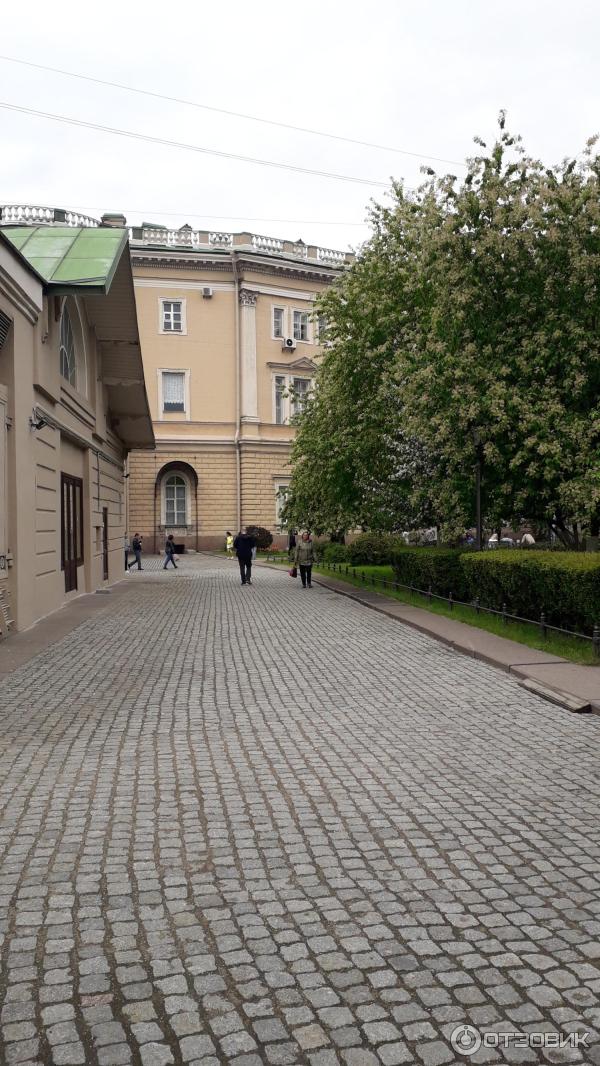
(471, 318)
(373, 549)
(334, 553)
(263, 537)
(565, 585)
(436, 568)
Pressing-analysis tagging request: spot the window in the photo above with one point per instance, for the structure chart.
(300, 325)
(280, 405)
(173, 390)
(281, 492)
(175, 500)
(279, 322)
(172, 316)
(290, 397)
(68, 363)
(300, 391)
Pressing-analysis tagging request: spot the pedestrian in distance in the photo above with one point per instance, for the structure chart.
(170, 552)
(291, 543)
(229, 544)
(136, 547)
(304, 558)
(127, 547)
(243, 544)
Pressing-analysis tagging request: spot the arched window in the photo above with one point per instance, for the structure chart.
(175, 500)
(68, 362)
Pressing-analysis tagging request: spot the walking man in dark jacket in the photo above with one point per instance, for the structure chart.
(136, 547)
(243, 544)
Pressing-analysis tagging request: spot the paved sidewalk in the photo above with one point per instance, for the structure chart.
(264, 826)
(577, 685)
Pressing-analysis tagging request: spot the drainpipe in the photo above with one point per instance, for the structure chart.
(238, 373)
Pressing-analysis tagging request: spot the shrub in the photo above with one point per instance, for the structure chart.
(373, 549)
(565, 585)
(262, 536)
(334, 553)
(439, 568)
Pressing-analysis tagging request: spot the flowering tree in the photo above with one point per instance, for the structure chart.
(472, 315)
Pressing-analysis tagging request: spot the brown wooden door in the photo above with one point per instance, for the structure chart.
(71, 528)
(105, 543)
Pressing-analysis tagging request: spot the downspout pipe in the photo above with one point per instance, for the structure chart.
(238, 391)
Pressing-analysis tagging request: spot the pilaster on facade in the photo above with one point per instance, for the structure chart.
(249, 381)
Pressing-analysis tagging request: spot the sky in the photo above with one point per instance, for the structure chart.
(421, 78)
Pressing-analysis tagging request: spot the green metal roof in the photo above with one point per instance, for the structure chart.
(67, 257)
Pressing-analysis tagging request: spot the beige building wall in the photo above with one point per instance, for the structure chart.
(76, 440)
(227, 437)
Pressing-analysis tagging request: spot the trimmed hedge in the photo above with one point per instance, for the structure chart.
(439, 568)
(373, 549)
(334, 553)
(565, 585)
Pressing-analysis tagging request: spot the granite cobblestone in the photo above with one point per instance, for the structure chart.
(248, 826)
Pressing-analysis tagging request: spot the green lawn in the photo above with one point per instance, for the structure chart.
(577, 651)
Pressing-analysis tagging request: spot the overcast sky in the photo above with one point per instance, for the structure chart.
(423, 76)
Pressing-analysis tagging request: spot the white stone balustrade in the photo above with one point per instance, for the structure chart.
(267, 244)
(29, 215)
(220, 240)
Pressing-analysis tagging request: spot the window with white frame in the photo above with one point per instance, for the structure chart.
(301, 319)
(300, 389)
(280, 399)
(279, 322)
(173, 390)
(281, 493)
(290, 396)
(172, 316)
(175, 489)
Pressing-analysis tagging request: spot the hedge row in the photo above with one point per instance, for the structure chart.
(564, 585)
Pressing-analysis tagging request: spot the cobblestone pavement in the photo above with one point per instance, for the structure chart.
(269, 826)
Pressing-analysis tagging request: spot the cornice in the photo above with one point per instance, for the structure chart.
(247, 262)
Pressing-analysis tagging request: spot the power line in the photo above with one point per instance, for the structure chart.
(231, 114)
(189, 147)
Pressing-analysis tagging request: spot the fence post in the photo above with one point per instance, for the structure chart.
(362, 576)
(543, 624)
(373, 579)
(477, 604)
(450, 600)
(347, 569)
(596, 640)
(429, 593)
(504, 618)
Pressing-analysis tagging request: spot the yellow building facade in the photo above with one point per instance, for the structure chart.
(230, 346)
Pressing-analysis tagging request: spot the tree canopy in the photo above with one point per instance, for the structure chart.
(471, 315)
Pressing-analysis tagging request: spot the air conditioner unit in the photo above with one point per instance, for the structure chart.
(288, 344)
(207, 292)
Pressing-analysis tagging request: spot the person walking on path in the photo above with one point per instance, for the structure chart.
(169, 552)
(304, 557)
(229, 544)
(243, 544)
(136, 547)
(291, 543)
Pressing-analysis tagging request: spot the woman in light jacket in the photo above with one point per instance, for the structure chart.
(304, 557)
